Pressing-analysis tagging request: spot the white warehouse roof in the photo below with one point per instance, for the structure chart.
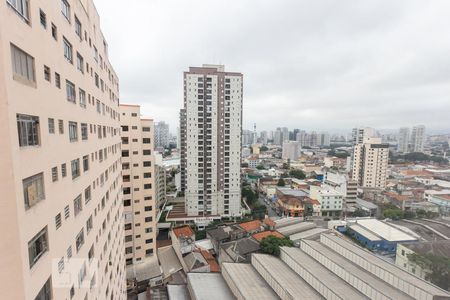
(384, 230)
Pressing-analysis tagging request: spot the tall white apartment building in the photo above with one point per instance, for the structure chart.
(162, 135)
(138, 177)
(403, 140)
(211, 131)
(417, 138)
(60, 175)
(361, 134)
(291, 150)
(370, 162)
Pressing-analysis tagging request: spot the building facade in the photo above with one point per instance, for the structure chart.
(291, 150)
(61, 209)
(417, 138)
(162, 135)
(403, 140)
(370, 162)
(211, 122)
(138, 176)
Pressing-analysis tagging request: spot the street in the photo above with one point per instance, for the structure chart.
(270, 211)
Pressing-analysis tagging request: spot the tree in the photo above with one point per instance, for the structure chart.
(263, 149)
(249, 195)
(360, 213)
(409, 214)
(260, 167)
(438, 267)
(393, 214)
(271, 244)
(299, 174)
(281, 182)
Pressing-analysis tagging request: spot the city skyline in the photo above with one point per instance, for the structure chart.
(370, 65)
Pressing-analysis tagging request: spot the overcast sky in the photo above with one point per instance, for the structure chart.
(314, 65)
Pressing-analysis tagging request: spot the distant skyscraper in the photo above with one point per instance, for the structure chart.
(324, 139)
(291, 150)
(263, 137)
(211, 141)
(162, 135)
(278, 137)
(417, 138)
(370, 161)
(361, 134)
(284, 134)
(247, 137)
(403, 140)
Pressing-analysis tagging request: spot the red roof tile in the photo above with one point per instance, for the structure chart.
(259, 236)
(213, 265)
(183, 231)
(250, 226)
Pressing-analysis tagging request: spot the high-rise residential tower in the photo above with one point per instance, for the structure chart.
(417, 138)
(361, 134)
(60, 175)
(211, 131)
(370, 162)
(162, 135)
(138, 176)
(403, 140)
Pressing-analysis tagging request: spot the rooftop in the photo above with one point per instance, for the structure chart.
(259, 236)
(183, 231)
(439, 248)
(205, 286)
(251, 225)
(384, 230)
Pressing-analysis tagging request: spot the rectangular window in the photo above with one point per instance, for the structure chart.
(61, 126)
(23, 65)
(68, 50)
(77, 205)
(47, 74)
(51, 125)
(87, 195)
(54, 32)
(55, 174)
(89, 224)
(63, 170)
(147, 152)
(73, 131)
(65, 9)
(58, 220)
(78, 29)
(75, 165)
(46, 291)
(66, 212)
(146, 140)
(84, 131)
(21, 6)
(147, 163)
(146, 129)
(85, 163)
(147, 175)
(70, 91)
(57, 80)
(82, 95)
(33, 189)
(79, 241)
(37, 246)
(28, 130)
(80, 63)
(43, 18)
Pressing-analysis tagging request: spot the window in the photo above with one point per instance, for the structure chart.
(148, 175)
(147, 152)
(70, 91)
(79, 241)
(61, 126)
(148, 252)
(23, 65)
(54, 32)
(84, 131)
(46, 291)
(91, 253)
(68, 50)
(85, 163)
(148, 208)
(58, 220)
(147, 163)
(87, 195)
(149, 241)
(73, 131)
(21, 6)
(28, 130)
(89, 224)
(66, 212)
(37, 246)
(77, 205)
(80, 63)
(47, 73)
(55, 174)
(75, 164)
(51, 125)
(65, 9)
(61, 265)
(33, 189)
(146, 140)
(57, 80)
(128, 250)
(148, 219)
(128, 238)
(43, 18)
(78, 27)
(63, 170)
(147, 129)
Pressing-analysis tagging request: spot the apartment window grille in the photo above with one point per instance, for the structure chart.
(55, 174)
(63, 170)
(43, 18)
(58, 220)
(54, 32)
(61, 126)
(87, 195)
(51, 125)
(28, 130)
(65, 9)
(57, 80)
(75, 165)
(85, 163)
(70, 91)
(80, 63)
(37, 246)
(46, 291)
(89, 224)
(78, 29)
(68, 50)
(47, 73)
(84, 131)
(66, 212)
(73, 131)
(79, 240)
(21, 7)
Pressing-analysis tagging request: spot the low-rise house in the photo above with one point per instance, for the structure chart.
(259, 236)
(238, 250)
(224, 234)
(252, 227)
(331, 201)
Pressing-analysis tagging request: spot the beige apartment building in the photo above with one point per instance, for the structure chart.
(60, 159)
(370, 163)
(138, 176)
